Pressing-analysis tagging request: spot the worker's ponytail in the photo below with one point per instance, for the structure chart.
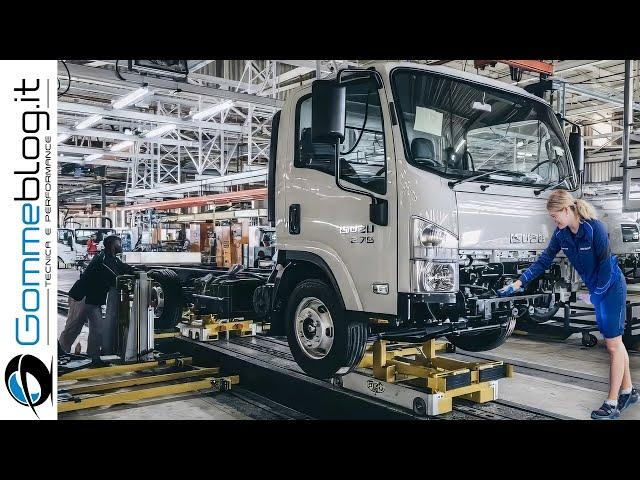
(560, 199)
(585, 210)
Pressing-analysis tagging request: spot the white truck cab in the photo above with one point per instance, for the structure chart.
(72, 244)
(438, 200)
(624, 239)
(66, 248)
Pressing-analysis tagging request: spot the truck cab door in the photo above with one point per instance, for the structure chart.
(333, 222)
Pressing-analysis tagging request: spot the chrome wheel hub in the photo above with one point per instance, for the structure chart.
(314, 328)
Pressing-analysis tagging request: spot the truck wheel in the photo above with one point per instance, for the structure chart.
(323, 341)
(166, 298)
(485, 340)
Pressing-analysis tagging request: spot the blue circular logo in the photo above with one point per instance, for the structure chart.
(28, 380)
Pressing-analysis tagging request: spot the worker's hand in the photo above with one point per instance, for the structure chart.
(515, 287)
(585, 297)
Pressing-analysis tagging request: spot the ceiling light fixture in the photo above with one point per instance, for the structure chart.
(118, 147)
(88, 122)
(159, 131)
(131, 98)
(211, 111)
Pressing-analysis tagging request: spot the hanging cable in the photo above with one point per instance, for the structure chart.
(68, 77)
(118, 72)
(364, 122)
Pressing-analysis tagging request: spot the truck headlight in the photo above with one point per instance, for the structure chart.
(434, 258)
(434, 276)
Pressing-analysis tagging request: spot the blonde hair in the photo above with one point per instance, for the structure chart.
(560, 199)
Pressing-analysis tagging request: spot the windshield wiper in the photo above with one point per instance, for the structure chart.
(553, 185)
(474, 177)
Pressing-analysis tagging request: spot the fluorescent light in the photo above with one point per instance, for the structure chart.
(460, 144)
(130, 98)
(63, 137)
(121, 146)
(161, 130)
(93, 156)
(211, 111)
(88, 122)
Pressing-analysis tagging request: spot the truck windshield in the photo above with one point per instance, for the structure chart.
(460, 129)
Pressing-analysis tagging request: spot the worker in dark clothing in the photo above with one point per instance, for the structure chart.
(89, 293)
(256, 261)
(585, 242)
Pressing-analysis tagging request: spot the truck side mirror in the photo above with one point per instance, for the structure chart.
(576, 146)
(328, 107)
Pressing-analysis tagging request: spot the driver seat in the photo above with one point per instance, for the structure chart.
(423, 152)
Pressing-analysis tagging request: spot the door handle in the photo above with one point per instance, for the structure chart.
(294, 219)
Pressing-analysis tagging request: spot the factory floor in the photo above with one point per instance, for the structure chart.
(561, 377)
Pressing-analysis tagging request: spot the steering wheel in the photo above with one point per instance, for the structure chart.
(430, 162)
(538, 165)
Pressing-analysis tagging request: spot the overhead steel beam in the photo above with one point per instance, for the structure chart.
(146, 117)
(111, 135)
(560, 68)
(225, 82)
(107, 92)
(592, 109)
(195, 186)
(310, 64)
(526, 65)
(201, 64)
(80, 72)
(226, 197)
(613, 99)
(291, 74)
(99, 162)
(575, 65)
(73, 150)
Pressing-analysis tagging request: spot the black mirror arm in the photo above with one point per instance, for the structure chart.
(565, 119)
(371, 71)
(374, 200)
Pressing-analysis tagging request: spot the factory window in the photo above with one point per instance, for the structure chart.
(362, 154)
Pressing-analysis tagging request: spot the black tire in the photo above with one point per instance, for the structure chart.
(482, 341)
(171, 313)
(589, 340)
(349, 336)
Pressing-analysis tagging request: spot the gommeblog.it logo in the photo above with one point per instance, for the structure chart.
(29, 381)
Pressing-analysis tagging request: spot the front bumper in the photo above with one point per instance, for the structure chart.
(492, 313)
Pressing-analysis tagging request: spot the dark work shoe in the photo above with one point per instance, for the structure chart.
(627, 399)
(605, 412)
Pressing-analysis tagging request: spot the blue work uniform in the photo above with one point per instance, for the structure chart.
(589, 253)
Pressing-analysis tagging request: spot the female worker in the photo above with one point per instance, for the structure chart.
(92, 245)
(584, 241)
